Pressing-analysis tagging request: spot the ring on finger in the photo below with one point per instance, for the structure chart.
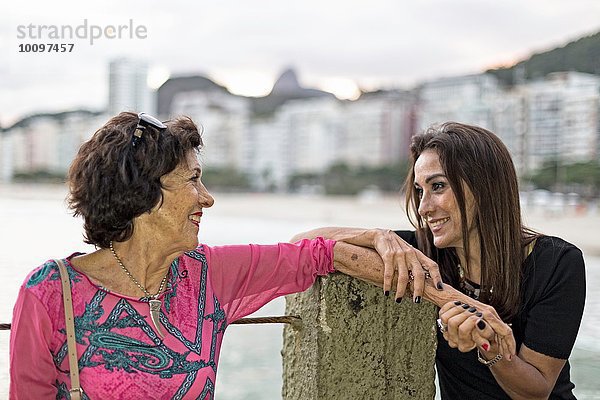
(426, 271)
(443, 327)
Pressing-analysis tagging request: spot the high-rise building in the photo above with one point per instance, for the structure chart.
(468, 99)
(563, 111)
(377, 128)
(222, 117)
(128, 88)
(45, 142)
(511, 121)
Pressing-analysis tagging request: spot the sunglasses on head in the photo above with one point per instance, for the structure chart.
(145, 121)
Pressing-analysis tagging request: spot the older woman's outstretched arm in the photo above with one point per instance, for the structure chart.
(355, 254)
(394, 262)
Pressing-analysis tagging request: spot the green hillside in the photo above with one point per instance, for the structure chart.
(582, 55)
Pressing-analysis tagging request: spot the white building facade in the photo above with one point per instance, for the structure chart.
(563, 118)
(470, 99)
(224, 120)
(45, 142)
(128, 88)
(377, 128)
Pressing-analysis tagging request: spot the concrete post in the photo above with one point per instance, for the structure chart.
(355, 343)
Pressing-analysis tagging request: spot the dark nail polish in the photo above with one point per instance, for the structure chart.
(479, 314)
(398, 300)
(472, 309)
(440, 286)
(387, 292)
(481, 324)
(457, 303)
(418, 299)
(465, 306)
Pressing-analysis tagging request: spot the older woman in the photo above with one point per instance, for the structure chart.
(151, 304)
(512, 289)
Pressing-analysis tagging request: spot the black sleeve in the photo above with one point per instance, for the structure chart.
(408, 236)
(552, 322)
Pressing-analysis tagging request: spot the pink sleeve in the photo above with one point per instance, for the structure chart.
(246, 277)
(32, 370)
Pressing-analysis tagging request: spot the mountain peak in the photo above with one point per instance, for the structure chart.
(287, 83)
(285, 88)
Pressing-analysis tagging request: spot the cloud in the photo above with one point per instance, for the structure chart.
(382, 41)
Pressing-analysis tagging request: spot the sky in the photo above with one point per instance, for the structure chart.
(335, 45)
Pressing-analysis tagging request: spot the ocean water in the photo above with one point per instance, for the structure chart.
(35, 226)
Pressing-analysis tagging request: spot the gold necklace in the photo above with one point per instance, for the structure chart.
(153, 301)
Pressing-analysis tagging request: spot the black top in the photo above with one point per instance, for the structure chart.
(553, 294)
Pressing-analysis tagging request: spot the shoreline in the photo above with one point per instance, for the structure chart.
(369, 212)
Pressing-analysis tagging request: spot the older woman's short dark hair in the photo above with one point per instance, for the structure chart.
(111, 181)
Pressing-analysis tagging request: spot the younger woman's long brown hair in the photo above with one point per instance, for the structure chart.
(476, 157)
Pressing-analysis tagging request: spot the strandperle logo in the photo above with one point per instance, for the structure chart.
(86, 31)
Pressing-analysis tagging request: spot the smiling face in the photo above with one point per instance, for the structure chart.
(438, 206)
(176, 219)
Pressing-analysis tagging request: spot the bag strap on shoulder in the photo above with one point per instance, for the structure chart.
(75, 390)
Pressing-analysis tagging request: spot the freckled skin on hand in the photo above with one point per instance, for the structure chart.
(354, 257)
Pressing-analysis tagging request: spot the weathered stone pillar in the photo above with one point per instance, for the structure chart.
(355, 343)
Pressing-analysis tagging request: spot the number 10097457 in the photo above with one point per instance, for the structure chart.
(46, 47)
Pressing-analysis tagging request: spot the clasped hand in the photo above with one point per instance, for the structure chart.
(467, 326)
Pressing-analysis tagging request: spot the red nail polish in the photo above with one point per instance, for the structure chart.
(485, 346)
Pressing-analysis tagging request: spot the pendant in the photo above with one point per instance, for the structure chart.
(155, 306)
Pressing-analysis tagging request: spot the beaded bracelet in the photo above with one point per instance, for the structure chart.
(488, 363)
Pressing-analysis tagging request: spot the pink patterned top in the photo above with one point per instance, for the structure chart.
(120, 354)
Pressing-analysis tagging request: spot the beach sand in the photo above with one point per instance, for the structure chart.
(574, 225)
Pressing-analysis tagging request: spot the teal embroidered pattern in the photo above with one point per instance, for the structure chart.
(50, 271)
(108, 346)
(195, 346)
(172, 285)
